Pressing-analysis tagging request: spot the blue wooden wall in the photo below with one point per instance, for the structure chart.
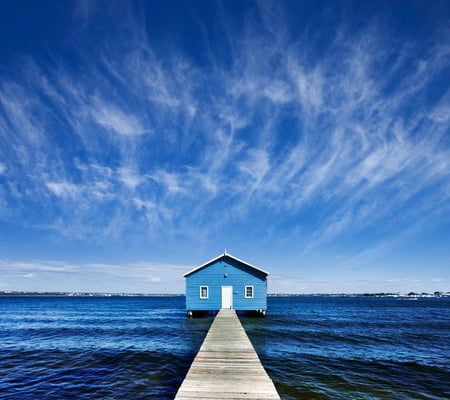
(226, 272)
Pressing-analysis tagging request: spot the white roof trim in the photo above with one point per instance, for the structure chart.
(225, 254)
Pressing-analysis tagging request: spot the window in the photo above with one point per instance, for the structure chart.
(203, 292)
(249, 292)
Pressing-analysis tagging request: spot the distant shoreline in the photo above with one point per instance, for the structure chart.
(396, 295)
(84, 294)
(94, 294)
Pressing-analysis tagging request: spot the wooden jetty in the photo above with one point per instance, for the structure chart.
(227, 366)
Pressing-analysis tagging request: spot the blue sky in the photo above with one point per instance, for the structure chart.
(140, 139)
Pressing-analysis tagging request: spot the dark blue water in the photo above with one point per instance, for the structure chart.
(141, 348)
(356, 348)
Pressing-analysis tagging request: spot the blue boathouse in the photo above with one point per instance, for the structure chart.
(226, 282)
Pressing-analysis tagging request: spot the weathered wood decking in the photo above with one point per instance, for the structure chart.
(227, 366)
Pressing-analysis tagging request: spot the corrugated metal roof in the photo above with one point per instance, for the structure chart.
(224, 255)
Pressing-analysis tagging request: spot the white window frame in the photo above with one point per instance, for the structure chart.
(245, 292)
(201, 292)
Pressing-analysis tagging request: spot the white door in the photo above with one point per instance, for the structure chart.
(227, 296)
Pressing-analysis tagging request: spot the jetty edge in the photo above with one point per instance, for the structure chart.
(227, 366)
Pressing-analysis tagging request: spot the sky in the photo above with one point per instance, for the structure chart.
(139, 140)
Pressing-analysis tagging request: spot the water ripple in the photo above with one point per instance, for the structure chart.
(136, 348)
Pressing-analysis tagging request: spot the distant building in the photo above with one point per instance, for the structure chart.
(226, 282)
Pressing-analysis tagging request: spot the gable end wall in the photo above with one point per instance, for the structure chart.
(226, 272)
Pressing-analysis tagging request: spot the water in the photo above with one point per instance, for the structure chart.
(356, 348)
(141, 348)
(95, 348)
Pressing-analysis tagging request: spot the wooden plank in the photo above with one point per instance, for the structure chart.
(227, 366)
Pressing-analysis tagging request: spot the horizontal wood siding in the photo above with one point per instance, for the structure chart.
(226, 272)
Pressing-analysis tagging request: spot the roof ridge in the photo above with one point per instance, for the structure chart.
(225, 254)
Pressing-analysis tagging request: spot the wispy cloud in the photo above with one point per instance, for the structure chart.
(130, 178)
(93, 277)
(328, 143)
(112, 117)
(63, 189)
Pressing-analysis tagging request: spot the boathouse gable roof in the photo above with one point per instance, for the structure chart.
(229, 257)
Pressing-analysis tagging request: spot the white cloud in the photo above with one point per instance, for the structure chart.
(309, 87)
(441, 114)
(23, 128)
(93, 277)
(155, 214)
(114, 118)
(278, 92)
(203, 180)
(173, 183)
(64, 189)
(130, 178)
(3, 169)
(256, 165)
